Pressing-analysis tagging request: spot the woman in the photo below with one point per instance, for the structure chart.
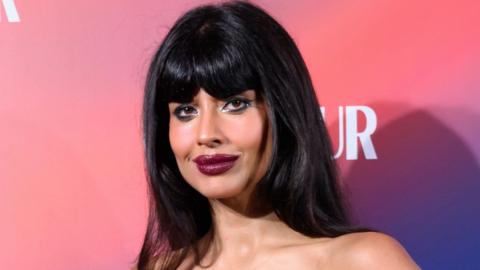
(239, 162)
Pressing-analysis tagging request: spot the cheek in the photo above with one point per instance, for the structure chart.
(180, 140)
(246, 132)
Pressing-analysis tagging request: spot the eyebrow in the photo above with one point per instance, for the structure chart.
(244, 93)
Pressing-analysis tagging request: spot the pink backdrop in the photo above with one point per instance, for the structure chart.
(72, 188)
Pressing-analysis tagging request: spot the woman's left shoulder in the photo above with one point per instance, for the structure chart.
(369, 250)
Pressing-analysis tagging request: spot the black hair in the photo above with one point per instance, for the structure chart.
(225, 49)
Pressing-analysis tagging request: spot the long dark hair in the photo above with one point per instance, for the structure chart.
(225, 49)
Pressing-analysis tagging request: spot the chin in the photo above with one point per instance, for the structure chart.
(221, 191)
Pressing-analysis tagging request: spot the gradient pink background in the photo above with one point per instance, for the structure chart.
(72, 187)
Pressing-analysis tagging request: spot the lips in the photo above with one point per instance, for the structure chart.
(215, 164)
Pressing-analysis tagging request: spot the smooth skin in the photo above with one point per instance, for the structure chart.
(248, 235)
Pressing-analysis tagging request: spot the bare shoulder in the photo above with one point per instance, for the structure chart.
(369, 250)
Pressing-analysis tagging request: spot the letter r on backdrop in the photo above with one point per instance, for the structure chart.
(364, 137)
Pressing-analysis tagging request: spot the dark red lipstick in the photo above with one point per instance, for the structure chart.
(215, 164)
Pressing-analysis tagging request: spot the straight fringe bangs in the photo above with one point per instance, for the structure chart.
(211, 57)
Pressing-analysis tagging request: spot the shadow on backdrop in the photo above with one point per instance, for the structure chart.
(423, 190)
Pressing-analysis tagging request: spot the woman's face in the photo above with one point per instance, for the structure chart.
(222, 147)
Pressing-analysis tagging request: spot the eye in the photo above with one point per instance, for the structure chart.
(237, 105)
(185, 112)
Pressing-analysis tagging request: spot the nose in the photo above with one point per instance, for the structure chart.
(209, 130)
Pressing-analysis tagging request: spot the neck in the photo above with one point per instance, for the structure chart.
(243, 229)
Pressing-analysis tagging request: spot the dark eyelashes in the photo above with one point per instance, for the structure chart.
(244, 101)
(185, 112)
